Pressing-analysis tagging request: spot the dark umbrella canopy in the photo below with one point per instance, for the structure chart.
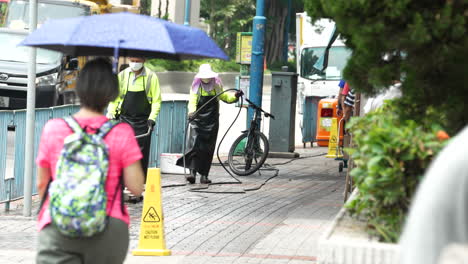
(133, 35)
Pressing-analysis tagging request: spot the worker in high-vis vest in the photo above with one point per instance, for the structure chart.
(138, 103)
(203, 111)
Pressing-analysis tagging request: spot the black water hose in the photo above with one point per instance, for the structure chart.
(194, 115)
(205, 188)
(201, 189)
(185, 135)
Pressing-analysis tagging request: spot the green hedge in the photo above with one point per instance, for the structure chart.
(159, 65)
(276, 66)
(391, 155)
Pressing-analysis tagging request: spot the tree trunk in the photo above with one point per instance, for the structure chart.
(167, 10)
(212, 20)
(159, 9)
(227, 38)
(276, 17)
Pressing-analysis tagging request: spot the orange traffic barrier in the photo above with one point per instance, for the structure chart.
(325, 112)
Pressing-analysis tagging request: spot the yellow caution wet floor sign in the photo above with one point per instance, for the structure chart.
(333, 151)
(152, 242)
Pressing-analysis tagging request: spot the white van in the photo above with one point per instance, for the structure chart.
(311, 43)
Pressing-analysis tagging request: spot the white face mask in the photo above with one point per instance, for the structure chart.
(205, 80)
(135, 66)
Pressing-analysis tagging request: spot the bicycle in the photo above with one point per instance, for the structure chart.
(250, 150)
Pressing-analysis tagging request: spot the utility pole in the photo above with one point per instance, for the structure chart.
(30, 115)
(258, 55)
(187, 13)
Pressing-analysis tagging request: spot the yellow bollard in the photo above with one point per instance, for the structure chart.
(152, 242)
(333, 151)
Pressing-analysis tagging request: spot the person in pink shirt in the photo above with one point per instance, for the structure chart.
(96, 87)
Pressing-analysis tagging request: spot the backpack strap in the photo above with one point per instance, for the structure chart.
(76, 128)
(44, 197)
(73, 124)
(121, 190)
(107, 127)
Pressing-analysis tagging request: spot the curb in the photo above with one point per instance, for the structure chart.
(354, 251)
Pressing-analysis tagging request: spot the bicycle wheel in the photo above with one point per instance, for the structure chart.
(247, 154)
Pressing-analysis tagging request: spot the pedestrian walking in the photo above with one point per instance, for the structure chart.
(204, 125)
(138, 103)
(339, 110)
(346, 101)
(84, 161)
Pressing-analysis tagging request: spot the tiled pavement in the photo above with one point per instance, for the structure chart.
(280, 223)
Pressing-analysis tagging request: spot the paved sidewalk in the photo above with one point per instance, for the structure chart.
(280, 223)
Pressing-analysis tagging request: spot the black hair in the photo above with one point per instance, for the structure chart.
(97, 85)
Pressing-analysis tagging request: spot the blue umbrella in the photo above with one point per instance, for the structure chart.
(124, 34)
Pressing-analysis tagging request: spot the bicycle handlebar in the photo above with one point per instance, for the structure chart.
(259, 108)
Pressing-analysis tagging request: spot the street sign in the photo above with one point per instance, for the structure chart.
(244, 47)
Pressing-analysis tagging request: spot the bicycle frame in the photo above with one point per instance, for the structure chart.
(251, 139)
(254, 152)
(254, 123)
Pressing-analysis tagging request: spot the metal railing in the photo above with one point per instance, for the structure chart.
(167, 137)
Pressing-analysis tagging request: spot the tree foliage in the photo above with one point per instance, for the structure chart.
(145, 7)
(158, 65)
(226, 18)
(423, 43)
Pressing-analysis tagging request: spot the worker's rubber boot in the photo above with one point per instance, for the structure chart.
(192, 177)
(204, 179)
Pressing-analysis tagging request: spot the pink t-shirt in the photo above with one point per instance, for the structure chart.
(123, 151)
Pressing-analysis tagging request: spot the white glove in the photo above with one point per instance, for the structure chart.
(110, 115)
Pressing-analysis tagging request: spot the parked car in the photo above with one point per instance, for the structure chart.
(53, 70)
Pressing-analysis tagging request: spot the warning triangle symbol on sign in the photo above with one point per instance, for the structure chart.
(151, 216)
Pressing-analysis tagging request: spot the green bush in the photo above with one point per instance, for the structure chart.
(276, 66)
(159, 65)
(391, 155)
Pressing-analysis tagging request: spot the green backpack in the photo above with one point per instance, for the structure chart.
(77, 195)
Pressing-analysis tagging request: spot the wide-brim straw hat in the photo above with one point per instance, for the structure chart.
(205, 72)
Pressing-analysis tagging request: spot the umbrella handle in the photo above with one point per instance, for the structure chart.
(116, 56)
